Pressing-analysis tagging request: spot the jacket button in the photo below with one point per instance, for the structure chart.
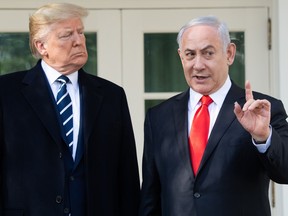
(60, 155)
(66, 210)
(58, 199)
(197, 195)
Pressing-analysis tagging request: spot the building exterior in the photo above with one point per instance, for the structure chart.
(125, 29)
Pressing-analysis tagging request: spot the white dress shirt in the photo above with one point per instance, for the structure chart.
(73, 90)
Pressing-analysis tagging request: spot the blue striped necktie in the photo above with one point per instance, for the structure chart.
(64, 105)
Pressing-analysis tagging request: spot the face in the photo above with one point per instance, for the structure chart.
(64, 49)
(205, 62)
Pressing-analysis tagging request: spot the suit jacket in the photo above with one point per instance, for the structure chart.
(233, 178)
(34, 164)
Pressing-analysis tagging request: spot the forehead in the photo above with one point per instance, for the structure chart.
(67, 24)
(201, 36)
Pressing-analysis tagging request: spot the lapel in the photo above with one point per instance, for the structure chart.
(225, 118)
(180, 113)
(39, 95)
(91, 101)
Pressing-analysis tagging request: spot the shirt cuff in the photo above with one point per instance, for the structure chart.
(262, 147)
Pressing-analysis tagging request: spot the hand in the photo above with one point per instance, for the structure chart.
(254, 116)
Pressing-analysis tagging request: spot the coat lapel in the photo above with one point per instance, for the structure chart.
(180, 111)
(91, 101)
(225, 118)
(39, 96)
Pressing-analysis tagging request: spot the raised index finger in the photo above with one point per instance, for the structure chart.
(248, 91)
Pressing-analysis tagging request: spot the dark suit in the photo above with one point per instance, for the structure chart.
(233, 177)
(38, 176)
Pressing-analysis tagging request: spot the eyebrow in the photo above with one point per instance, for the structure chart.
(205, 48)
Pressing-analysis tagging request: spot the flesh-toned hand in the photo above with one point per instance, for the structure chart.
(254, 116)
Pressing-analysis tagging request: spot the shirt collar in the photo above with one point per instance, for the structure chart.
(217, 97)
(52, 74)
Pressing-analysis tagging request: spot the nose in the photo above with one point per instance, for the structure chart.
(198, 63)
(78, 39)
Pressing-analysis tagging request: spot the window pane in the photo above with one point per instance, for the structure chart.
(15, 53)
(91, 44)
(163, 69)
(237, 69)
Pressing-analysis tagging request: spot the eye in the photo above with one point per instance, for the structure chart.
(208, 54)
(189, 55)
(65, 35)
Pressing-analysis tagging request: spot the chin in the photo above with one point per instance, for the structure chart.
(204, 90)
(80, 61)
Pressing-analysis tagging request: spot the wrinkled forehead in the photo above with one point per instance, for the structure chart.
(201, 36)
(67, 24)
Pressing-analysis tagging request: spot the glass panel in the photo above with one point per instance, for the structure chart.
(15, 53)
(163, 69)
(91, 44)
(237, 69)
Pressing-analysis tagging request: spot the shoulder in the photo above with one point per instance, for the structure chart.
(277, 105)
(13, 76)
(273, 100)
(99, 85)
(12, 79)
(90, 79)
(178, 102)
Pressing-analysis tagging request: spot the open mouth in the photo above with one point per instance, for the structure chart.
(200, 77)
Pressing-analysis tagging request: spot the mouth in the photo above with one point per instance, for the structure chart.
(79, 54)
(200, 77)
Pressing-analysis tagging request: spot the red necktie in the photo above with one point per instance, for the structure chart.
(199, 132)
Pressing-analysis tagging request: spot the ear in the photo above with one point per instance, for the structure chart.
(180, 54)
(181, 57)
(231, 52)
(41, 47)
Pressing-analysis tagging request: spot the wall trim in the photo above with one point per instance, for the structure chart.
(143, 4)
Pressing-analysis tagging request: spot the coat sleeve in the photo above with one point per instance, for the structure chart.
(129, 175)
(151, 188)
(275, 159)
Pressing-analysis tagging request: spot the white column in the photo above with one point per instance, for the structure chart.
(283, 47)
(283, 82)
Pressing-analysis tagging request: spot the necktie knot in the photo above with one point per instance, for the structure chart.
(206, 100)
(63, 79)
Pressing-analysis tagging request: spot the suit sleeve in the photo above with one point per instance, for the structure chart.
(151, 188)
(275, 159)
(129, 175)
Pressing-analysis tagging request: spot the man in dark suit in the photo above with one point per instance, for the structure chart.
(39, 175)
(247, 137)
